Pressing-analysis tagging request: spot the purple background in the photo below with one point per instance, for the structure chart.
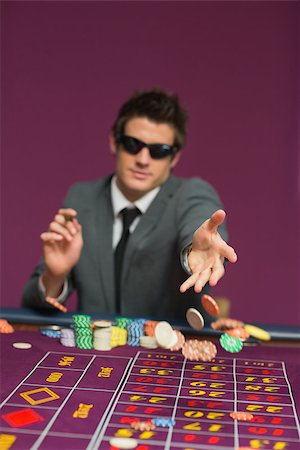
(67, 67)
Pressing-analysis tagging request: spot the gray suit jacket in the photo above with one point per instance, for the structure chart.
(152, 272)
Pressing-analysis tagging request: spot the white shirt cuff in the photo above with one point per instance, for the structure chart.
(184, 258)
(61, 298)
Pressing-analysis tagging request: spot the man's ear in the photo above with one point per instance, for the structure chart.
(112, 144)
(175, 159)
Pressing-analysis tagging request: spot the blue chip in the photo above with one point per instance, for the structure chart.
(163, 422)
(51, 333)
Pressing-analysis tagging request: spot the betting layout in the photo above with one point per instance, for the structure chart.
(81, 400)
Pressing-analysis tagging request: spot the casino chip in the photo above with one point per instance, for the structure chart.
(165, 335)
(102, 323)
(22, 345)
(210, 305)
(194, 319)
(179, 343)
(238, 332)
(52, 331)
(67, 337)
(258, 333)
(83, 331)
(139, 425)
(126, 443)
(148, 342)
(6, 327)
(56, 304)
(225, 323)
(195, 350)
(231, 344)
(118, 336)
(135, 330)
(240, 415)
(102, 338)
(163, 422)
(150, 327)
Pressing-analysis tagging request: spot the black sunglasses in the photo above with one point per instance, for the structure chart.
(157, 151)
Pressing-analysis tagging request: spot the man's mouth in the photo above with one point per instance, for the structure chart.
(140, 174)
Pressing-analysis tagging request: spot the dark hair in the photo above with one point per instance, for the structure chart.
(157, 105)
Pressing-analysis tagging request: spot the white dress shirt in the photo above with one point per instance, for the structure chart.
(119, 202)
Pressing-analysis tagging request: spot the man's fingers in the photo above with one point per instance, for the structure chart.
(202, 279)
(229, 253)
(51, 237)
(77, 225)
(69, 213)
(217, 218)
(60, 229)
(198, 280)
(217, 273)
(60, 218)
(71, 224)
(188, 283)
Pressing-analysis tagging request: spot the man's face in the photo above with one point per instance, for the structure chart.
(139, 174)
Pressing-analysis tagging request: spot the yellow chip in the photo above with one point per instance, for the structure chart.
(257, 333)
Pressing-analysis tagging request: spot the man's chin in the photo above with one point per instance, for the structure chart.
(137, 188)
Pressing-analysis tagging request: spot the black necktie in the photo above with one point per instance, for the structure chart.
(128, 216)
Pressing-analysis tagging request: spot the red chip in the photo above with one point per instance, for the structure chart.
(225, 323)
(22, 417)
(210, 305)
(195, 350)
(56, 304)
(240, 415)
(238, 332)
(180, 341)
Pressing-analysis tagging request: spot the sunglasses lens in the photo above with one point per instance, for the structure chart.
(133, 146)
(159, 151)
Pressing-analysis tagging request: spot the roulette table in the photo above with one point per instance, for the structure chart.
(54, 396)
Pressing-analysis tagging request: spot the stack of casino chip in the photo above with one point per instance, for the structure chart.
(118, 336)
(51, 331)
(150, 327)
(163, 422)
(83, 331)
(148, 342)
(123, 322)
(67, 337)
(102, 335)
(135, 330)
(146, 425)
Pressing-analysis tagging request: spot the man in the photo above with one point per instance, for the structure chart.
(176, 230)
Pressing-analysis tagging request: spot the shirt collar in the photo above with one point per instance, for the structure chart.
(119, 201)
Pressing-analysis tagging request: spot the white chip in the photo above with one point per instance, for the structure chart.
(174, 340)
(102, 323)
(194, 319)
(148, 342)
(123, 442)
(22, 345)
(164, 334)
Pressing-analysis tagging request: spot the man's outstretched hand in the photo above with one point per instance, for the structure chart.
(206, 258)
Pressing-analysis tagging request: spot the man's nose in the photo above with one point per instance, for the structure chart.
(143, 156)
